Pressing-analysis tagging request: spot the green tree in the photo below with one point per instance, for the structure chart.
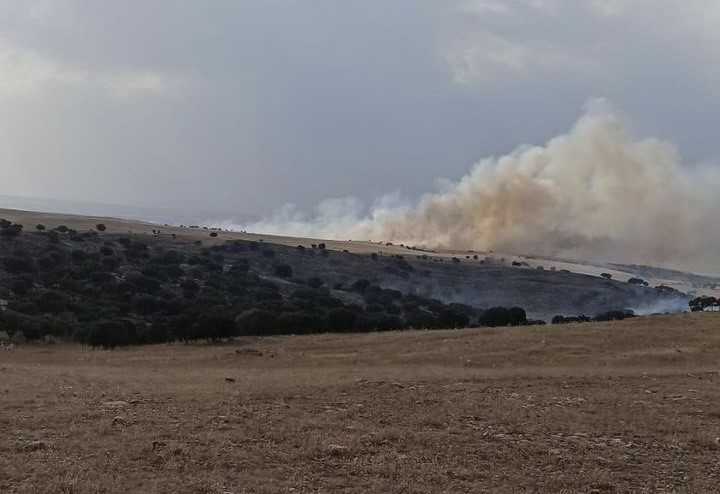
(257, 322)
(110, 333)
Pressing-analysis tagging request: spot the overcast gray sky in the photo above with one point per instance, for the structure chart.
(245, 105)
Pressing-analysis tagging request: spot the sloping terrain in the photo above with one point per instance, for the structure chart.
(625, 406)
(543, 287)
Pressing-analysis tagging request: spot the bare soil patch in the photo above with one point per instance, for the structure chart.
(616, 407)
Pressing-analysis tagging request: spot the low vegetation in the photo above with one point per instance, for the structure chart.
(705, 303)
(109, 290)
(614, 315)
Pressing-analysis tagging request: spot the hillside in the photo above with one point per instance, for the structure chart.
(609, 407)
(542, 287)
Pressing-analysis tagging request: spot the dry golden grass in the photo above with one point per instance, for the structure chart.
(123, 226)
(618, 407)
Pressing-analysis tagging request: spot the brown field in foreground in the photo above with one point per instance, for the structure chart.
(617, 407)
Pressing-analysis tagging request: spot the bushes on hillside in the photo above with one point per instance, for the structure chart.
(18, 264)
(9, 230)
(114, 290)
(284, 271)
(613, 315)
(704, 303)
(109, 333)
(503, 316)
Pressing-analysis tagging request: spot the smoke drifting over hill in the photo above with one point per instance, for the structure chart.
(597, 192)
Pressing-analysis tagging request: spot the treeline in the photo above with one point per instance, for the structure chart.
(613, 315)
(108, 290)
(705, 303)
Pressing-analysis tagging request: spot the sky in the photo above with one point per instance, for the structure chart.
(245, 106)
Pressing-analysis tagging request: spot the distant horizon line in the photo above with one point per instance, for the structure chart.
(156, 214)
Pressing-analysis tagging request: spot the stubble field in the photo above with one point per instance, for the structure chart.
(616, 407)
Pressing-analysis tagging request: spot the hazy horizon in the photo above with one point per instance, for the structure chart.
(285, 114)
(159, 215)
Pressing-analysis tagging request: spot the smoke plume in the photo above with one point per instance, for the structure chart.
(595, 193)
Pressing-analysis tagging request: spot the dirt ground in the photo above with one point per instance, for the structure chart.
(616, 407)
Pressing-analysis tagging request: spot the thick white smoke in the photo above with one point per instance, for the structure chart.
(596, 192)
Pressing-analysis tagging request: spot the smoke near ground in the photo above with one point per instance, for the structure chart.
(596, 193)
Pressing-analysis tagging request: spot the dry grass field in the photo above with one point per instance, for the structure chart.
(617, 407)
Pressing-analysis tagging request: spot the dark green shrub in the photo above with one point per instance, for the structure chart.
(360, 286)
(17, 264)
(144, 304)
(214, 323)
(341, 319)
(452, 319)
(257, 322)
(108, 333)
(421, 319)
(503, 316)
(284, 271)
